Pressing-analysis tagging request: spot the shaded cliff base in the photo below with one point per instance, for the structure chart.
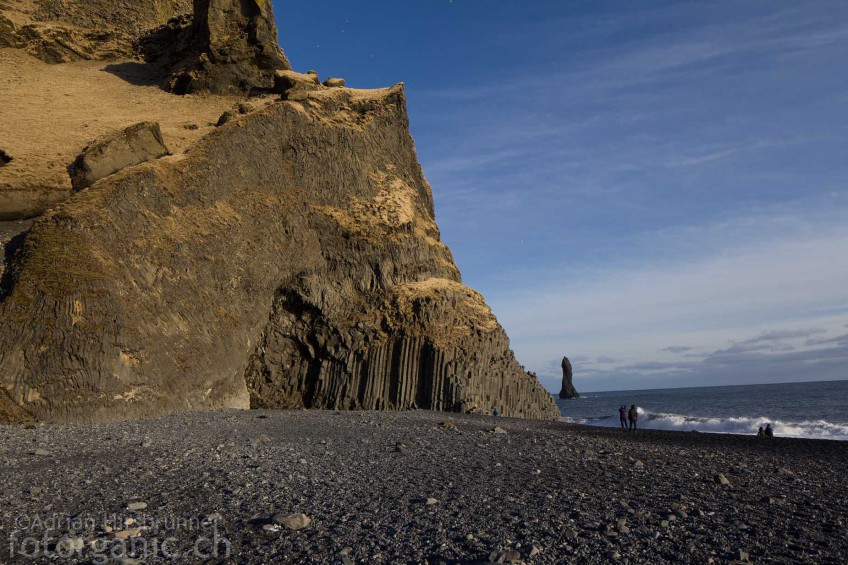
(409, 487)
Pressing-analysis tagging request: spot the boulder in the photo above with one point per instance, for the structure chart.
(334, 83)
(290, 83)
(136, 144)
(567, 391)
(226, 118)
(230, 47)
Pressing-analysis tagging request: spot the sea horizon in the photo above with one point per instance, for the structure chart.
(812, 409)
(582, 393)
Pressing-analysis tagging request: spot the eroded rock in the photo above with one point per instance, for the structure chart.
(60, 32)
(231, 46)
(291, 262)
(136, 144)
(567, 391)
(334, 83)
(315, 280)
(292, 85)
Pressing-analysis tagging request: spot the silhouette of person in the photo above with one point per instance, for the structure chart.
(769, 431)
(622, 416)
(761, 432)
(633, 415)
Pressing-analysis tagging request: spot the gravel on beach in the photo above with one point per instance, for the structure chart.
(413, 487)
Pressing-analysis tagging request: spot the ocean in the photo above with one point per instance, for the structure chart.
(810, 410)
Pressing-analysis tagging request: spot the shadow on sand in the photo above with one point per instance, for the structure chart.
(138, 74)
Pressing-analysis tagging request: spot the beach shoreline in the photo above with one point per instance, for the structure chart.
(414, 487)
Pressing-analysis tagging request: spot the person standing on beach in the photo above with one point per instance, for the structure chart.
(769, 431)
(633, 415)
(622, 416)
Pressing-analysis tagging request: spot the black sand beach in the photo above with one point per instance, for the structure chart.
(407, 488)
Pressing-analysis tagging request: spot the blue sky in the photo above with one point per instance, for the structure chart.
(657, 189)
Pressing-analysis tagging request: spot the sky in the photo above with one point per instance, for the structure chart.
(658, 190)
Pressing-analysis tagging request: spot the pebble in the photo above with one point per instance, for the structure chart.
(135, 506)
(130, 533)
(431, 502)
(214, 518)
(498, 430)
(509, 556)
(41, 452)
(293, 522)
(69, 545)
(722, 480)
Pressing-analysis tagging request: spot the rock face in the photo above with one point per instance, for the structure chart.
(74, 30)
(288, 258)
(136, 144)
(270, 266)
(231, 46)
(567, 391)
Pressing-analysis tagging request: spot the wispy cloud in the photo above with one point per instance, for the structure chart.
(793, 285)
(677, 349)
(666, 198)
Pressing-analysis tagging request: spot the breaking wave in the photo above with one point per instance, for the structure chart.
(816, 429)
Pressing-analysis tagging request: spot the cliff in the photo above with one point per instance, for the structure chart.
(288, 258)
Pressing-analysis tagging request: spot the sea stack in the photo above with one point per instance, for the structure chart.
(287, 258)
(567, 391)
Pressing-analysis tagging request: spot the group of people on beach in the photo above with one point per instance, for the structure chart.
(628, 417)
(767, 432)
